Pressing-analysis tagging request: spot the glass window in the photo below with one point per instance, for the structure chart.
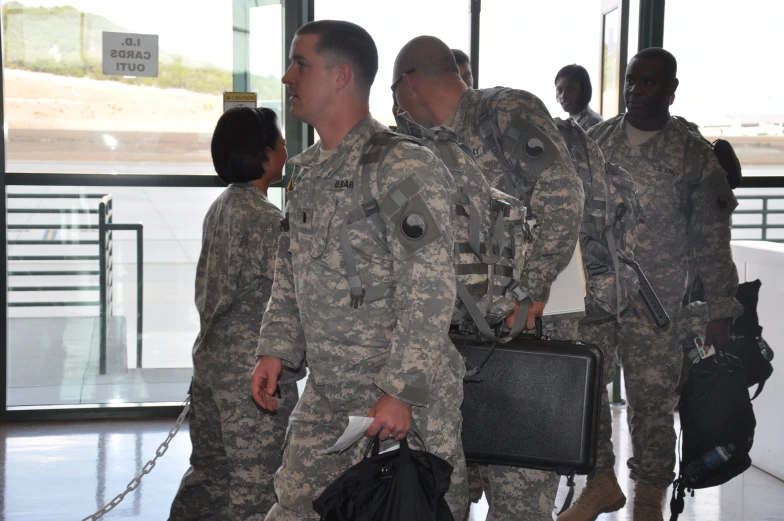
(266, 56)
(523, 44)
(634, 29)
(392, 25)
(64, 115)
(611, 54)
(72, 267)
(727, 84)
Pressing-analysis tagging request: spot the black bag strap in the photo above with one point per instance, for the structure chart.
(569, 496)
(677, 501)
(760, 387)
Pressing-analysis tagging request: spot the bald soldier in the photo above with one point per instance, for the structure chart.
(364, 292)
(520, 151)
(688, 208)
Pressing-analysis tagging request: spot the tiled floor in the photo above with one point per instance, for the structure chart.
(67, 471)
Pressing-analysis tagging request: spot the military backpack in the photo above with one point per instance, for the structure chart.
(609, 227)
(489, 229)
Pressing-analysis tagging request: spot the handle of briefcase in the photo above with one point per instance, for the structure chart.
(471, 374)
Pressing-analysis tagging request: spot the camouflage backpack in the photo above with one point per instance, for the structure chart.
(609, 227)
(521, 139)
(489, 228)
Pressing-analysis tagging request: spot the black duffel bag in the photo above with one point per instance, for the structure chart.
(401, 485)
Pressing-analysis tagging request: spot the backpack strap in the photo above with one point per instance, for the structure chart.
(490, 252)
(481, 323)
(600, 137)
(692, 163)
(372, 158)
(692, 160)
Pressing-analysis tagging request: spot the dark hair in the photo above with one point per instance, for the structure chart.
(241, 141)
(346, 43)
(461, 58)
(580, 75)
(666, 58)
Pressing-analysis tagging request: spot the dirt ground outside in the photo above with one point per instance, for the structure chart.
(61, 118)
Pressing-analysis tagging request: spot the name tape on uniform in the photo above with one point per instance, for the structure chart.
(238, 99)
(129, 54)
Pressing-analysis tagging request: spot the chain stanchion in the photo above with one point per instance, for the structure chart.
(135, 482)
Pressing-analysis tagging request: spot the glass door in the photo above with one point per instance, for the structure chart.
(107, 182)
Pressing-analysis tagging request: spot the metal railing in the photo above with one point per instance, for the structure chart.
(765, 225)
(105, 258)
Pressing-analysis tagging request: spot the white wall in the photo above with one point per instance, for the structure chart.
(765, 261)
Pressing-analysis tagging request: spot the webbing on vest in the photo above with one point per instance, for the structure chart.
(487, 253)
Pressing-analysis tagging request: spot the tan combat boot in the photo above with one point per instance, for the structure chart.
(647, 502)
(601, 494)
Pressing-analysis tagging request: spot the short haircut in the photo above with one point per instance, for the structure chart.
(429, 56)
(580, 75)
(345, 42)
(241, 141)
(667, 59)
(461, 58)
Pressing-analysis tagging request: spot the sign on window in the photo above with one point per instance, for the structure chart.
(128, 54)
(238, 99)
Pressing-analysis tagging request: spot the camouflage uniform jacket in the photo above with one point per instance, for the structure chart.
(234, 278)
(399, 333)
(688, 207)
(551, 189)
(588, 118)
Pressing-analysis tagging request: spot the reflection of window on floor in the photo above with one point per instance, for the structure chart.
(55, 341)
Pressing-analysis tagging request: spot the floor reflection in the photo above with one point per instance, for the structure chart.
(68, 470)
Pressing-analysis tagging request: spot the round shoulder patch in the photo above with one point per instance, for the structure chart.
(413, 226)
(534, 148)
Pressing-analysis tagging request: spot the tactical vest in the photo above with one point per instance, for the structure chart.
(612, 212)
(488, 228)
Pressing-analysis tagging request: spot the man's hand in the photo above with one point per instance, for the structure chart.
(264, 381)
(717, 332)
(535, 310)
(392, 419)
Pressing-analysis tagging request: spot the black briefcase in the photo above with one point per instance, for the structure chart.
(534, 403)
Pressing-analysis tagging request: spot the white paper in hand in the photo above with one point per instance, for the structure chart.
(357, 425)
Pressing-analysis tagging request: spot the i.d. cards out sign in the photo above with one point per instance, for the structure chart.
(128, 54)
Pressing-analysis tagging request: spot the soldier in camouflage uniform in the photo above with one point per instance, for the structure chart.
(383, 351)
(573, 92)
(236, 445)
(688, 207)
(530, 163)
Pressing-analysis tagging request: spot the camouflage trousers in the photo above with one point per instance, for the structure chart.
(320, 418)
(602, 334)
(515, 493)
(236, 450)
(651, 359)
